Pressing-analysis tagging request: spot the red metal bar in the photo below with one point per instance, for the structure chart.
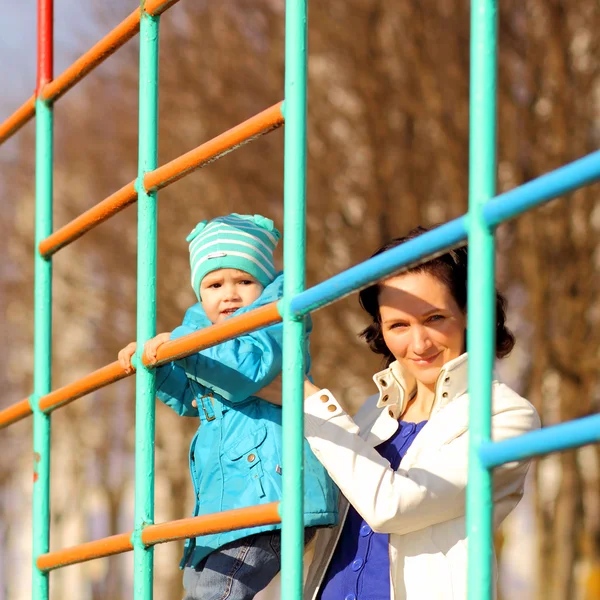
(93, 57)
(256, 126)
(21, 116)
(45, 44)
(15, 413)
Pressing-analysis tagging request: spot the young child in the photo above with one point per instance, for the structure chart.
(235, 456)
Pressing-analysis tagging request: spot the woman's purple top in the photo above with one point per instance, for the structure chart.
(360, 567)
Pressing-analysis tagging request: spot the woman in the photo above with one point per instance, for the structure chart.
(401, 463)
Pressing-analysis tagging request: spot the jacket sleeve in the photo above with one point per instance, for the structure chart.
(238, 368)
(173, 388)
(404, 501)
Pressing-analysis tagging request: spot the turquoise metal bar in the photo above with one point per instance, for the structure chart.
(481, 292)
(146, 305)
(564, 436)
(292, 512)
(42, 370)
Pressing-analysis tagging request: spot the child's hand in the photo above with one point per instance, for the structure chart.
(152, 345)
(125, 355)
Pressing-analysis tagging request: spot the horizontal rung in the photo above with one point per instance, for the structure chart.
(85, 64)
(534, 193)
(98, 53)
(260, 124)
(184, 346)
(543, 441)
(21, 116)
(15, 413)
(561, 181)
(216, 334)
(240, 518)
(265, 514)
(94, 381)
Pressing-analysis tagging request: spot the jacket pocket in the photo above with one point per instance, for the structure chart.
(242, 462)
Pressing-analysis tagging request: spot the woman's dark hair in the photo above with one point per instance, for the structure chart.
(449, 268)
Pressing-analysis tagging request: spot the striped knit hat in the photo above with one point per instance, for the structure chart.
(244, 242)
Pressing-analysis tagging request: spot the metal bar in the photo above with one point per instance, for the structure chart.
(556, 438)
(563, 180)
(21, 116)
(481, 293)
(72, 391)
(179, 348)
(115, 544)
(420, 249)
(199, 157)
(294, 344)
(96, 55)
(42, 343)
(143, 556)
(264, 514)
(253, 516)
(15, 412)
(215, 334)
(223, 144)
(89, 219)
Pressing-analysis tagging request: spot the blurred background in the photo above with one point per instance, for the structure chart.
(387, 150)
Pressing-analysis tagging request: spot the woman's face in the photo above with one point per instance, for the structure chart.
(422, 325)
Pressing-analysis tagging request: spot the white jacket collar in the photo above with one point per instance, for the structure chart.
(396, 385)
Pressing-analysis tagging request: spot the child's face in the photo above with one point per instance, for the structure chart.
(224, 291)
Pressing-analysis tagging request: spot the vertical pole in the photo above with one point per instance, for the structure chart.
(146, 304)
(42, 303)
(481, 291)
(292, 512)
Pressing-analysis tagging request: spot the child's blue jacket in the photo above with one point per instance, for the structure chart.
(235, 456)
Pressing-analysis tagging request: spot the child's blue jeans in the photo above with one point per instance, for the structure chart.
(238, 570)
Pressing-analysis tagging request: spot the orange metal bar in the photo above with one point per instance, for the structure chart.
(211, 336)
(241, 134)
(160, 178)
(81, 387)
(215, 334)
(157, 7)
(108, 45)
(93, 57)
(15, 413)
(88, 220)
(17, 119)
(265, 514)
(115, 544)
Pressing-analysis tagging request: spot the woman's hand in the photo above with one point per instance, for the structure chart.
(273, 392)
(310, 388)
(152, 345)
(124, 357)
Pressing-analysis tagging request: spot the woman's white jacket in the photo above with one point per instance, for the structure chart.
(422, 504)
